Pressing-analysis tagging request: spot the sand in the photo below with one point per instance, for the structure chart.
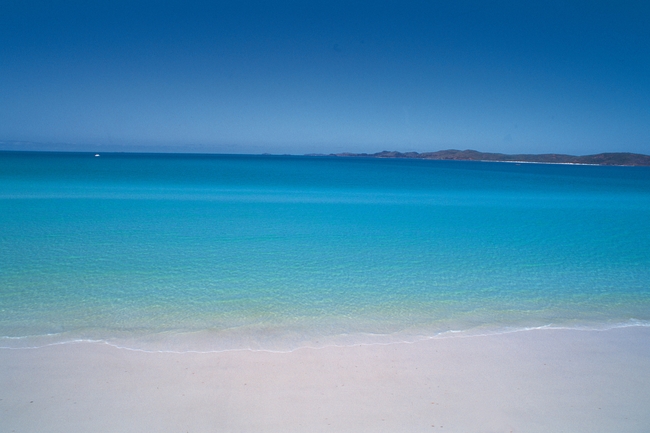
(530, 381)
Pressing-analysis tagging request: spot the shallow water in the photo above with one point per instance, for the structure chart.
(214, 252)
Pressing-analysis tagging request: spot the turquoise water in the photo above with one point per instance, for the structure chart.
(214, 252)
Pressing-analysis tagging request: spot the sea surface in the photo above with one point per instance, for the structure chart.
(177, 252)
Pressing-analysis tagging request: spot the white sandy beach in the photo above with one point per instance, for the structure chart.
(531, 381)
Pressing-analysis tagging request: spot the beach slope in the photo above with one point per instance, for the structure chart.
(528, 381)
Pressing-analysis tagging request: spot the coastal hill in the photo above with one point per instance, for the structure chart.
(634, 159)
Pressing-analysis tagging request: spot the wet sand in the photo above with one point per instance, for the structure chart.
(530, 381)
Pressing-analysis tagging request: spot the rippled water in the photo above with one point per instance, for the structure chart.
(214, 252)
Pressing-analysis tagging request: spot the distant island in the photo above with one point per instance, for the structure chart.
(618, 158)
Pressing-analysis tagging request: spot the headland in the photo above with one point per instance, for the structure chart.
(613, 158)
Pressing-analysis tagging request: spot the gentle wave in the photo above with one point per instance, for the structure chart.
(192, 342)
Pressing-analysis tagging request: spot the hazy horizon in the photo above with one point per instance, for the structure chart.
(325, 77)
(25, 146)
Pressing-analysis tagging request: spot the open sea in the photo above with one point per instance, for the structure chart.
(170, 252)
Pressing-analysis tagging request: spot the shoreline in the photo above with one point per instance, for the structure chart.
(194, 344)
(535, 381)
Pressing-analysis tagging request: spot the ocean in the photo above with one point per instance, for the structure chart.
(186, 252)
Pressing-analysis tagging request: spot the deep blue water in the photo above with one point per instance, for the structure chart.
(213, 252)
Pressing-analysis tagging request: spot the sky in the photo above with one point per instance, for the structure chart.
(325, 76)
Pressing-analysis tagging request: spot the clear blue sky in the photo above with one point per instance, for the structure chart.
(326, 76)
